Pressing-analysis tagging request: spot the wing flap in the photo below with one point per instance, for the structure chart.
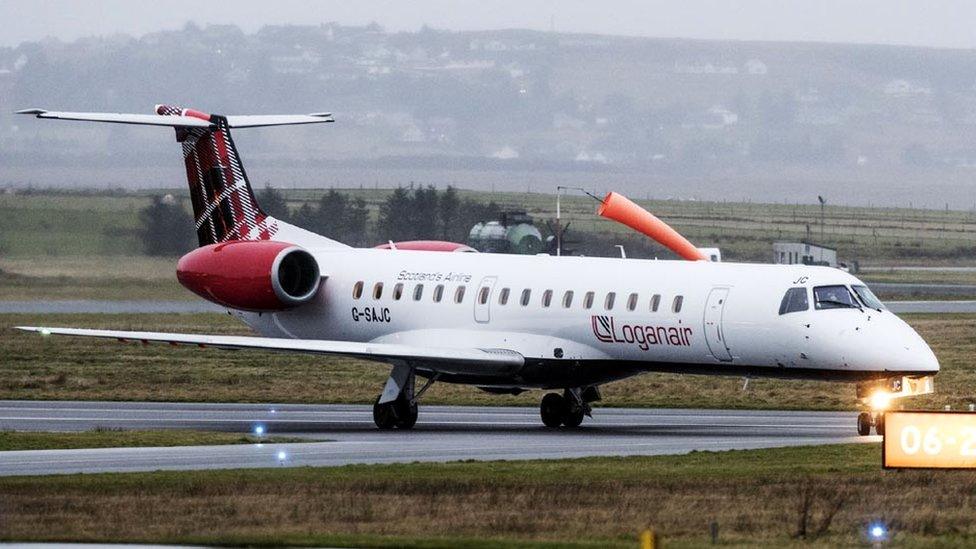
(384, 352)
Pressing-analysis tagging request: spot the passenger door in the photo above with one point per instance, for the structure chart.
(714, 335)
(482, 299)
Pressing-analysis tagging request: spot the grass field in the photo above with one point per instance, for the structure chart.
(114, 438)
(86, 246)
(77, 368)
(757, 498)
(106, 223)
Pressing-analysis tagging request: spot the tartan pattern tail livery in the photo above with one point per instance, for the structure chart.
(224, 206)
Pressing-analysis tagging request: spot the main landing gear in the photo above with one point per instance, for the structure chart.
(568, 408)
(396, 407)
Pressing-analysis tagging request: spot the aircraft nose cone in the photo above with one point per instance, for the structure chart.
(913, 353)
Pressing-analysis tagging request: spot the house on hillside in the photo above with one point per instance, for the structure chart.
(906, 88)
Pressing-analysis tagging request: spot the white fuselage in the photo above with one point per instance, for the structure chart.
(728, 322)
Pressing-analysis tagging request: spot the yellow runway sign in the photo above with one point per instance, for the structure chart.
(929, 440)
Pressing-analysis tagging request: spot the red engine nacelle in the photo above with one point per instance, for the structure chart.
(259, 275)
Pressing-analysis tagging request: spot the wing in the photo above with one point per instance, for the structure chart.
(381, 352)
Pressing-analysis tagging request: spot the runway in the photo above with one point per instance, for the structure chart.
(344, 434)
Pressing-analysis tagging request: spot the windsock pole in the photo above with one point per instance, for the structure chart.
(619, 208)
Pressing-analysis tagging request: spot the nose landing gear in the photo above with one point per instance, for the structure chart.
(866, 420)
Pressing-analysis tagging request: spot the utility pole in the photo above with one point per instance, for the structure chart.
(823, 202)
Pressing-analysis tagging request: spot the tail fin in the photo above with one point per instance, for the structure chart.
(224, 206)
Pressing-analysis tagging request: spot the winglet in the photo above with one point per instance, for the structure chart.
(31, 111)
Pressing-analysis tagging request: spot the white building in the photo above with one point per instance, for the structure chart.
(803, 253)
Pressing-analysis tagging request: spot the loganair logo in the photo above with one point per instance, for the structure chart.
(606, 330)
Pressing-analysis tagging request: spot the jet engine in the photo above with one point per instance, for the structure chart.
(259, 275)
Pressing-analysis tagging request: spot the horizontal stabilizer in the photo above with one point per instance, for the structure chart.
(263, 120)
(122, 118)
(178, 121)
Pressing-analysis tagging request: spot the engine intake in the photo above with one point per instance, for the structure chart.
(257, 275)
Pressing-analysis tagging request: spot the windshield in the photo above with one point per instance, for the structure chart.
(834, 297)
(868, 297)
(795, 300)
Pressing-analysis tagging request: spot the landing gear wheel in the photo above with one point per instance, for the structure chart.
(573, 416)
(879, 424)
(406, 413)
(864, 424)
(553, 410)
(384, 416)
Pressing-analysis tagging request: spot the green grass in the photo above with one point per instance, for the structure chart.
(67, 224)
(64, 368)
(116, 438)
(757, 497)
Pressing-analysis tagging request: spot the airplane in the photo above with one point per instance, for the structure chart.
(512, 323)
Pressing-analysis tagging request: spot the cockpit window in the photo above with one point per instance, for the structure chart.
(834, 297)
(868, 297)
(795, 300)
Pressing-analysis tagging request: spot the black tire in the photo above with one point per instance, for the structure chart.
(552, 409)
(573, 417)
(864, 424)
(406, 413)
(384, 416)
(879, 424)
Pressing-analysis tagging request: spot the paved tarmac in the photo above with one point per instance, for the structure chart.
(344, 434)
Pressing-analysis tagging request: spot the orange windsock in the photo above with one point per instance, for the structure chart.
(619, 208)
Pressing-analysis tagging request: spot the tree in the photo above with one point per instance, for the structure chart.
(424, 213)
(450, 208)
(358, 215)
(395, 218)
(166, 227)
(273, 203)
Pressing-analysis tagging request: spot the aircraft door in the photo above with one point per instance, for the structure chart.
(482, 299)
(714, 334)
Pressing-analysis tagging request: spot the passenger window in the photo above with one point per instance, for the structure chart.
(418, 292)
(568, 299)
(357, 290)
(632, 302)
(546, 298)
(526, 295)
(588, 300)
(833, 297)
(378, 290)
(676, 306)
(459, 294)
(398, 291)
(608, 302)
(503, 297)
(655, 302)
(483, 295)
(794, 301)
(438, 293)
